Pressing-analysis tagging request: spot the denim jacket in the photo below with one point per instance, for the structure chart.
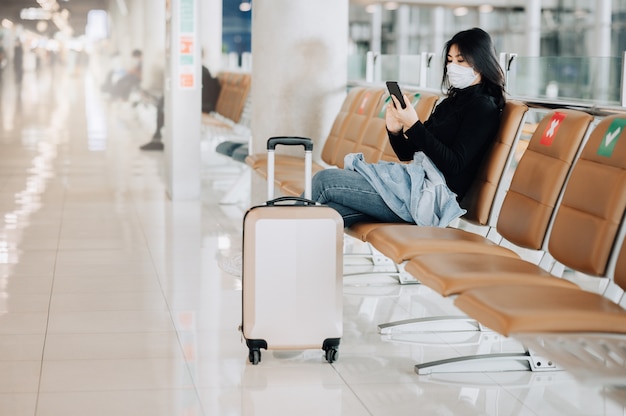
(416, 192)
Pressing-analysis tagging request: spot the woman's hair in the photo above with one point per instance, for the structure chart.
(477, 49)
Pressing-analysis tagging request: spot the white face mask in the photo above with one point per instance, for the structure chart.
(461, 76)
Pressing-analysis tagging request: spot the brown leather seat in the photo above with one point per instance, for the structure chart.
(509, 295)
(235, 88)
(481, 198)
(525, 214)
(359, 105)
(374, 143)
(290, 179)
(581, 331)
(581, 237)
(364, 132)
(348, 107)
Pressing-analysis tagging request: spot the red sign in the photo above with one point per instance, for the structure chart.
(186, 80)
(552, 129)
(363, 103)
(186, 45)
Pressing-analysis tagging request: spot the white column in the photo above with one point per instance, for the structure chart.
(377, 27)
(211, 33)
(532, 38)
(137, 21)
(601, 68)
(403, 29)
(602, 28)
(439, 22)
(119, 26)
(299, 74)
(153, 45)
(183, 85)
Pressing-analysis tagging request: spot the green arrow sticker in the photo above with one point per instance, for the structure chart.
(609, 141)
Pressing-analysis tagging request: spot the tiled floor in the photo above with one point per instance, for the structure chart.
(112, 300)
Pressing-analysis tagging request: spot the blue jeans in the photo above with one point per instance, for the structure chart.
(350, 194)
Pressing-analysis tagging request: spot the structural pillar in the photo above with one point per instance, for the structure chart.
(532, 40)
(532, 37)
(183, 84)
(299, 74)
(403, 30)
(377, 27)
(603, 84)
(211, 19)
(153, 46)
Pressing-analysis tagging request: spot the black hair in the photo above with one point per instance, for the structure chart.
(477, 49)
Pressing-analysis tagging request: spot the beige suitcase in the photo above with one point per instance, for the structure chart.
(292, 270)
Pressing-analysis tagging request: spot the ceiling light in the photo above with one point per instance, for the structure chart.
(460, 11)
(35, 13)
(42, 26)
(245, 6)
(485, 8)
(391, 5)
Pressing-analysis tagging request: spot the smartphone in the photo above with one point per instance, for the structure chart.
(394, 89)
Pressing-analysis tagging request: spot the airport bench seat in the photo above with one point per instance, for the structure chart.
(235, 88)
(524, 217)
(480, 201)
(358, 127)
(583, 330)
(228, 121)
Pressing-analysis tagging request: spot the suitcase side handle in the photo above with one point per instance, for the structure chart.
(290, 141)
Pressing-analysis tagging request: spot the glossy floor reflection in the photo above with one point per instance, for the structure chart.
(112, 301)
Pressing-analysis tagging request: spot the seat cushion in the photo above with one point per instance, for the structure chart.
(510, 309)
(453, 273)
(401, 242)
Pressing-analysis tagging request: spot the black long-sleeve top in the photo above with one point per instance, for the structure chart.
(455, 137)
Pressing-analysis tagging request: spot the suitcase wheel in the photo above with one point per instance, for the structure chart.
(254, 348)
(331, 354)
(254, 356)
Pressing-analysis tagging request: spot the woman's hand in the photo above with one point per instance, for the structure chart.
(397, 118)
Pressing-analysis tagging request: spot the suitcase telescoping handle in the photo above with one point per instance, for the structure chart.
(308, 161)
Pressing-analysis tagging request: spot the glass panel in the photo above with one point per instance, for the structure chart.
(566, 78)
(584, 79)
(356, 68)
(403, 68)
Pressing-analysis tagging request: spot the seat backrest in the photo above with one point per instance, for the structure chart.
(356, 125)
(242, 91)
(234, 91)
(348, 107)
(224, 79)
(480, 200)
(375, 134)
(539, 178)
(424, 103)
(593, 204)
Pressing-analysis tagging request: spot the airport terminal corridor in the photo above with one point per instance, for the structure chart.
(115, 300)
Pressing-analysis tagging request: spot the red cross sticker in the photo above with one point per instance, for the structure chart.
(186, 45)
(364, 103)
(552, 129)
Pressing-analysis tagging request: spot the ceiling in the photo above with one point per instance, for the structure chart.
(78, 9)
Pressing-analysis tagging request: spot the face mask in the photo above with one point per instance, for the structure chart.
(461, 76)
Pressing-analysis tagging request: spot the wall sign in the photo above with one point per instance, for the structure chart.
(187, 42)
